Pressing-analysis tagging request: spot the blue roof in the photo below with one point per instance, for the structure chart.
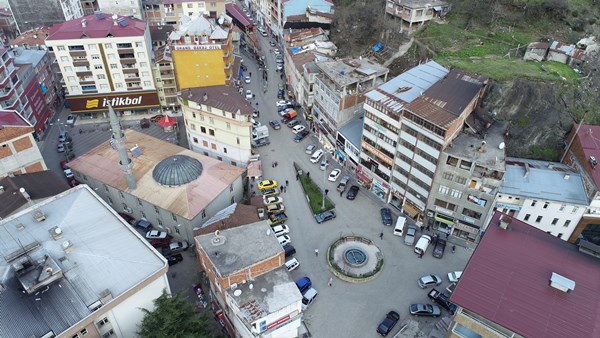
(29, 56)
(409, 85)
(546, 180)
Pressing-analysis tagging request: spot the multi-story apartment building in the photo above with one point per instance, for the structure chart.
(31, 14)
(547, 195)
(517, 271)
(68, 252)
(408, 122)
(175, 189)
(163, 71)
(104, 59)
(465, 185)
(12, 95)
(89, 6)
(8, 26)
(274, 14)
(174, 9)
(39, 83)
(415, 13)
(339, 90)
(131, 8)
(256, 294)
(19, 152)
(201, 38)
(153, 11)
(217, 127)
(582, 153)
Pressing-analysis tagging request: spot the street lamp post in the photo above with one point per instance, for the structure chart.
(324, 174)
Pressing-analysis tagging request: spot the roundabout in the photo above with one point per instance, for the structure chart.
(355, 259)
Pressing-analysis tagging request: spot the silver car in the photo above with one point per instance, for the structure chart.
(409, 238)
(429, 280)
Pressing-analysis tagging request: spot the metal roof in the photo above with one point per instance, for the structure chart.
(352, 130)
(107, 254)
(545, 180)
(38, 185)
(507, 282)
(95, 27)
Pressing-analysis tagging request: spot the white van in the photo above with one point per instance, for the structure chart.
(400, 223)
(308, 297)
(422, 244)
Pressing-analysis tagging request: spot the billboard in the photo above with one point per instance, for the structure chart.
(100, 102)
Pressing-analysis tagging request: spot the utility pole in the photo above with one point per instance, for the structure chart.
(324, 175)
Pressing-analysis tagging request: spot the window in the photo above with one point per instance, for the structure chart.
(103, 86)
(195, 139)
(105, 187)
(97, 66)
(466, 165)
(445, 205)
(60, 48)
(83, 332)
(456, 193)
(119, 85)
(147, 84)
(574, 210)
(443, 190)
(71, 79)
(203, 130)
(121, 194)
(460, 180)
(203, 213)
(138, 44)
(448, 176)
(225, 150)
(527, 217)
(95, 57)
(546, 205)
(73, 89)
(108, 333)
(238, 140)
(139, 201)
(452, 161)
(102, 322)
(68, 69)
(108, 45)
(232, 200)
(539, 219)
(562, 208)
(174, 217)
(145, 74)
(143, 64)
(193, 126)
(205, 145)
(228, 125)
(177, 230)
(156, 209)
(214, 147)
(64, 58)
(567, 223)
(116, 76)
(533, 203)
(114, 66)
(158, 220)
(211, 120)
(92, 47)
(211, 132)
(560, 235)
(112, 56)
(231, 188)
(101, 77)
(554, 221)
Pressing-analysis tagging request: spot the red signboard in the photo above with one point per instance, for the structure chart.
(278, 321)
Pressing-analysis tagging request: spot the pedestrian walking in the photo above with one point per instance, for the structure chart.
(316, 252)
(447, 235)
(421, 254)
(275, 164)
(341, 193)
(330, 281)
(272, 164)
(297, 176)
(250, 73)
(287, 183)
(307, 174)
(326, 192)
(381, 235)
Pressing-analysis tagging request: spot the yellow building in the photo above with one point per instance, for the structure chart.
(202, 51)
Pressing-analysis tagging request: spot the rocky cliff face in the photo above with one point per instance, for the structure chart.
(538, 115)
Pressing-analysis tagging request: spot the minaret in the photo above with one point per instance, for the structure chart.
(118, 139)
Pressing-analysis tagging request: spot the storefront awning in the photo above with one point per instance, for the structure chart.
(444, 220)
(411, 211)
(363, 178)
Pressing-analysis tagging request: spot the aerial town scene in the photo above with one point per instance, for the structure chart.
(299, 168)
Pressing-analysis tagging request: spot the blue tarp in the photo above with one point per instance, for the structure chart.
(295, 50)
(378, 47)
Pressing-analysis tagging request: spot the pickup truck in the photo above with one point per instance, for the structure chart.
(442, 300)
(343, 182)
(277, 219)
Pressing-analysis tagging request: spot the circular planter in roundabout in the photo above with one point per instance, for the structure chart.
(355, 259)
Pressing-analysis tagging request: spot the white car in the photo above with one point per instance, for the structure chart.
(282, 103)
(284, 239)
(263, 32)
(155, 234)
(292, 264)
(68, 173)
(316, 156)
(247, 79)
(324, 164)
(272, 200)
(71, 119)
(248, 94)
(333, 176)
(298, 129)
(276, 51)
(454, 276)
(281, 229)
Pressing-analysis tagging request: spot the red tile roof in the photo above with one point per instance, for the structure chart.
(96, 28)
(507, 282)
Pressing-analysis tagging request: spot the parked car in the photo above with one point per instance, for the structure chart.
(351, 194)
(261, 213)
(152, 234)
(450, 288)
(293, 123)
(62, 137)
(60, 147)
(160, 242)
(281, 229)
(388, 323)
(325, 216)
(308, 297)
(310, 148)
(156, 117)
(71, 119)
(174, 259)
(454, 276)
(283, 103)
(424, 310)
(292, 264)
(260, 142)
(409, 238)
(439, 248)
(386, 216)
(343, 182)
(429, 280)
(267, 184)
(270, 192)
(175, 247)
(143, 224)
(275, 124)
(248, 94)
(289, 250)
(323, 165)
(422, 244)
(298, 128)
(276, 51)
(247, 79)
(272, 200)
(284, 239)
(68, 173)
(442, 300)
(303, 284)
(316, 156)
(275, 208)
(333, 176)
(300, 136)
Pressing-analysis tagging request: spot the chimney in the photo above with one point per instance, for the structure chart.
(505, 222)
(119, 140)
(83, 23)
(205, 97)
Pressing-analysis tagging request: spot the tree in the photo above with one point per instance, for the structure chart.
(173, 317)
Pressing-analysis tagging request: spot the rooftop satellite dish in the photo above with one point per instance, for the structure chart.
(237, 292)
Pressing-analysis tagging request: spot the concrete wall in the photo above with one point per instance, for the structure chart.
(20, 155)
(28, 13)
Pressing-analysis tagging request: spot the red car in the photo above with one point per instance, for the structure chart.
(64, 165)
(155, 118)
(160, 242)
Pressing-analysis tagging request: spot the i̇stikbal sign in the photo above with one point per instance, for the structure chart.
(91, 103)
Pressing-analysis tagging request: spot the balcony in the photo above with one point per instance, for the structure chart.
(6, 92)
(167, 75)
(134, 86)
(10, 103)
